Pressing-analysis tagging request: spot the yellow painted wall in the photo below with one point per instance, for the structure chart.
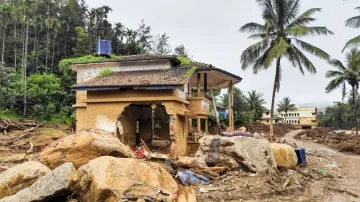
(103, 115)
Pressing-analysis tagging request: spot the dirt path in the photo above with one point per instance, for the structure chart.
(347, 166)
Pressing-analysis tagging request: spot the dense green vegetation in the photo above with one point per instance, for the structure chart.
(40, 39)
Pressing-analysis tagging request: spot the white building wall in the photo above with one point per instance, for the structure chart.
(87, 72)
(295, 117)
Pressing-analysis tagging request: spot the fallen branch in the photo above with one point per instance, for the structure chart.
(342, 191)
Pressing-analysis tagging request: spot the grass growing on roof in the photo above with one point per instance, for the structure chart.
(190, 72)
(183, 60)
(64, 64)
(105, 72)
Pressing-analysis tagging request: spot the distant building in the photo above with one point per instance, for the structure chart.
(265, 119)
(302, 118)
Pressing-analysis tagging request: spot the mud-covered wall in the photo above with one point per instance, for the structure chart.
(199, 105)
(178, 127)
(104, 115)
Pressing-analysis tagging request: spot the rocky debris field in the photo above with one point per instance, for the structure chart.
(93, 165)
(338, 140)
(279, 129)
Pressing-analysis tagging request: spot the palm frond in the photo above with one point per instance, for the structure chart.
(294, 11)
(300, 31)
(304, 60)
(312, 49)
(249, 55)
(304, 18)
(353, 22)
(278, 49)
(338, 64)
(294, 59)
(331, 74)
(253, 27)
(334, 84)
(352, 43)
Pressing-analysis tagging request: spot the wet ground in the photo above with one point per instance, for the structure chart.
(346, 166)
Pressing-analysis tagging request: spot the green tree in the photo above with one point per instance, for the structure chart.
(6, 14)
(181, 51)
(286, 106)
(279, 37)
(353, 22)
(256, 103)
(349, 74)
(161, 44)
(241, 107)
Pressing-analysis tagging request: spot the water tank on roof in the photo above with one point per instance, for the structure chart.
(103, 48)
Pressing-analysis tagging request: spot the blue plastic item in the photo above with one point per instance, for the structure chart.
(301, 154)
(188, 177)
(103, 48)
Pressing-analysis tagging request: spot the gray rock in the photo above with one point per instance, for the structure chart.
(57, 183)
(258, 136)
(246, 153)
(20, 177)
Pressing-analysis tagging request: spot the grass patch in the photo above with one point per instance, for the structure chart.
(190, 72)
(64, 64)
(183, 60)
(9, 114)
(105, 72)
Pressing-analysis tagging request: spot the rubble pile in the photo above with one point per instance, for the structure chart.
(94, 165)
(279, 129)
(338, 140)
(20, 141)
(7, 125)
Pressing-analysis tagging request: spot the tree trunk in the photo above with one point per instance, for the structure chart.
(215, 110)
(25, 64)
(273, 100)
(3, 46)
(47, 49)
(36, 52)
(53, 55)
(355, 113)
(15, 45)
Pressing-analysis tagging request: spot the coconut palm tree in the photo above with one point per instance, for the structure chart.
(279, 38)
(286, 106)
(255, 102)
(349, 74)
(353, 22)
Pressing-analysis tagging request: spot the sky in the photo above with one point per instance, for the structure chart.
(209, 30)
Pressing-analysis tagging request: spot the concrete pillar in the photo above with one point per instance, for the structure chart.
(199, 125)
(198, 85)
(207, 126)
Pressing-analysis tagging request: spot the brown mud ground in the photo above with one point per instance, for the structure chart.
(15, 147)
(343, 142)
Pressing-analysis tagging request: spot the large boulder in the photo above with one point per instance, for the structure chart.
(187, 194)
(20, 177)
(246, 153)
(285, 155)
(83, 147)
(110, 179)
(54, 185)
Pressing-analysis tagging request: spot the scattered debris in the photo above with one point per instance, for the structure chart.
(338, 140)
(188, 178)
(279, 129)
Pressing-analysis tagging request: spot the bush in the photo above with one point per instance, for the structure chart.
(105, 72)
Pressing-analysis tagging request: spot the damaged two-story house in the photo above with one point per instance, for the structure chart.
(150, 98)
